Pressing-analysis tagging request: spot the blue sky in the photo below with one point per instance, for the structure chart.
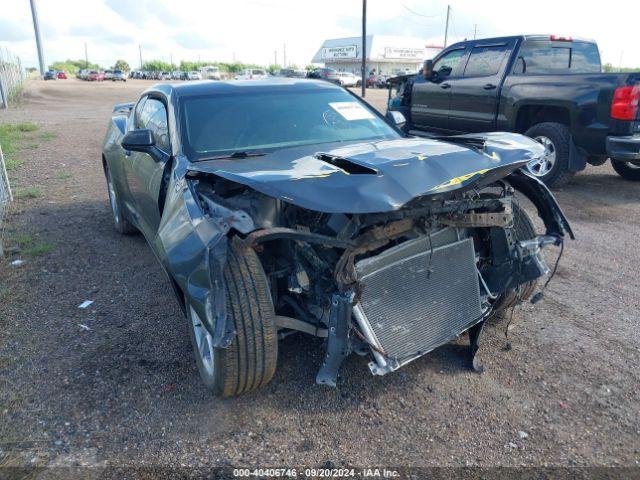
(252, 30)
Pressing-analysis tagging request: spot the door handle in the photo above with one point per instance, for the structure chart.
(489, 86)
(445, 85)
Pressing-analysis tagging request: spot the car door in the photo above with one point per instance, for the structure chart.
(431, 98)
(144, 172)
(475, 95)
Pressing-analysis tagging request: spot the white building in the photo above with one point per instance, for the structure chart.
(388, 55)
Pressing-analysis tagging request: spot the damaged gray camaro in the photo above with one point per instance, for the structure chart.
(287, 206)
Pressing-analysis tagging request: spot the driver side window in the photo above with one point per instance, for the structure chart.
(153, 116)
(447, 64)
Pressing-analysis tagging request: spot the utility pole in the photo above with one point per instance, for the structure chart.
(620, 62)
(36, 28)
(86, 56)
(284, 54)
(140, 52)
(475, 30)
(275, 57)
(363, 53)
(446, 28)
(171, 57)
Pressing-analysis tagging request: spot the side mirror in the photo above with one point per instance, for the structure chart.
(397, 118)
(138, 140)
(427, 69)
(143, 141)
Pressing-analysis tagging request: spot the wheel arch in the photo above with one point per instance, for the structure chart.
(532, 114)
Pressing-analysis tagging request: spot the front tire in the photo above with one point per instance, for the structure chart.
(627, 170)
(249, 362)
(553, 167)
(523, 229)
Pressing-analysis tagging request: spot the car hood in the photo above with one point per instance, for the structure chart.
(377, 176)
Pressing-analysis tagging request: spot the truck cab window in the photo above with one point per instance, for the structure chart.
(446, 64)
(546, 57)
(485, 60)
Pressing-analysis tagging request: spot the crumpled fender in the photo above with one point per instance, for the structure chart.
(539, 194)
(195, 249)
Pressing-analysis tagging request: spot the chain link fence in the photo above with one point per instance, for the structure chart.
(5, 199)
(12, 76)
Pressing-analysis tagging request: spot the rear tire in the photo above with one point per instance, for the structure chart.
(249, 362)
(123, 226)
(523, 229)
(553, 167)
(627, 170)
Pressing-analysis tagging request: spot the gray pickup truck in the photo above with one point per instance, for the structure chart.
(549, 88)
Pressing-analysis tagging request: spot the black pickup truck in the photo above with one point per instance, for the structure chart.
(549, 88)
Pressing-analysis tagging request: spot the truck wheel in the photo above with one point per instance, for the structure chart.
(123, 226)
(249, 362)
(523, 229)
(628, 170)
(553, 167)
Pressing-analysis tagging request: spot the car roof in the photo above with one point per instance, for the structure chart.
(208, 87)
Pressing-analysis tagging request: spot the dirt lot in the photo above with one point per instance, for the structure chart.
(116, 384)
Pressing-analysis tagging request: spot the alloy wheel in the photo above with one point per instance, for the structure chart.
(204, 344)
(541, 166)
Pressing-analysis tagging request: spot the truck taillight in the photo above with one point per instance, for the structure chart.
(558, 38)
(625, 103)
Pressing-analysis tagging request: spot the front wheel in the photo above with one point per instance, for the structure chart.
(249, 362)
(523, 229)
(552, 167)
(627, 170)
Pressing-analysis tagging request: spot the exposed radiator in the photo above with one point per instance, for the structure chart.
(419, 295)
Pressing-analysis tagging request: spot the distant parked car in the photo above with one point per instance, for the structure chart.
(321, 73)
(252, 74)
(119, 76)
(95, 76)
(175, 75)
(61, 74)
(345, 79)
(381, 81)
(108, 74)
(194, 76)
(210, 73)
(291, 73)
(50, 75)
(165, 76)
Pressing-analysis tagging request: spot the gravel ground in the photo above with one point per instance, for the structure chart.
(124, 389)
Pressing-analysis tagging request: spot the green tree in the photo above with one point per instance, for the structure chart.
(72, 66)
(121, 65)
(158, 66)
(273, 68)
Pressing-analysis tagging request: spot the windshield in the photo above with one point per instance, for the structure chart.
(271, 120)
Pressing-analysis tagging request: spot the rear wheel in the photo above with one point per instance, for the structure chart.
(249, 362)
(553, 166)
(627, 170)
(121, 223)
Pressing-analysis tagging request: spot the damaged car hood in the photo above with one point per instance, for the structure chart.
(376, 176)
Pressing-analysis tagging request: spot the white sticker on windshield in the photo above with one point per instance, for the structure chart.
(351, 111)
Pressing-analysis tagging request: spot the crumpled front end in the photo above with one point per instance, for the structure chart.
(394, 284)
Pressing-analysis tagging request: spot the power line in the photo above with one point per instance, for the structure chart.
(420, 14)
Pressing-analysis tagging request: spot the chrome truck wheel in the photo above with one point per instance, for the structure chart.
(543, 165)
